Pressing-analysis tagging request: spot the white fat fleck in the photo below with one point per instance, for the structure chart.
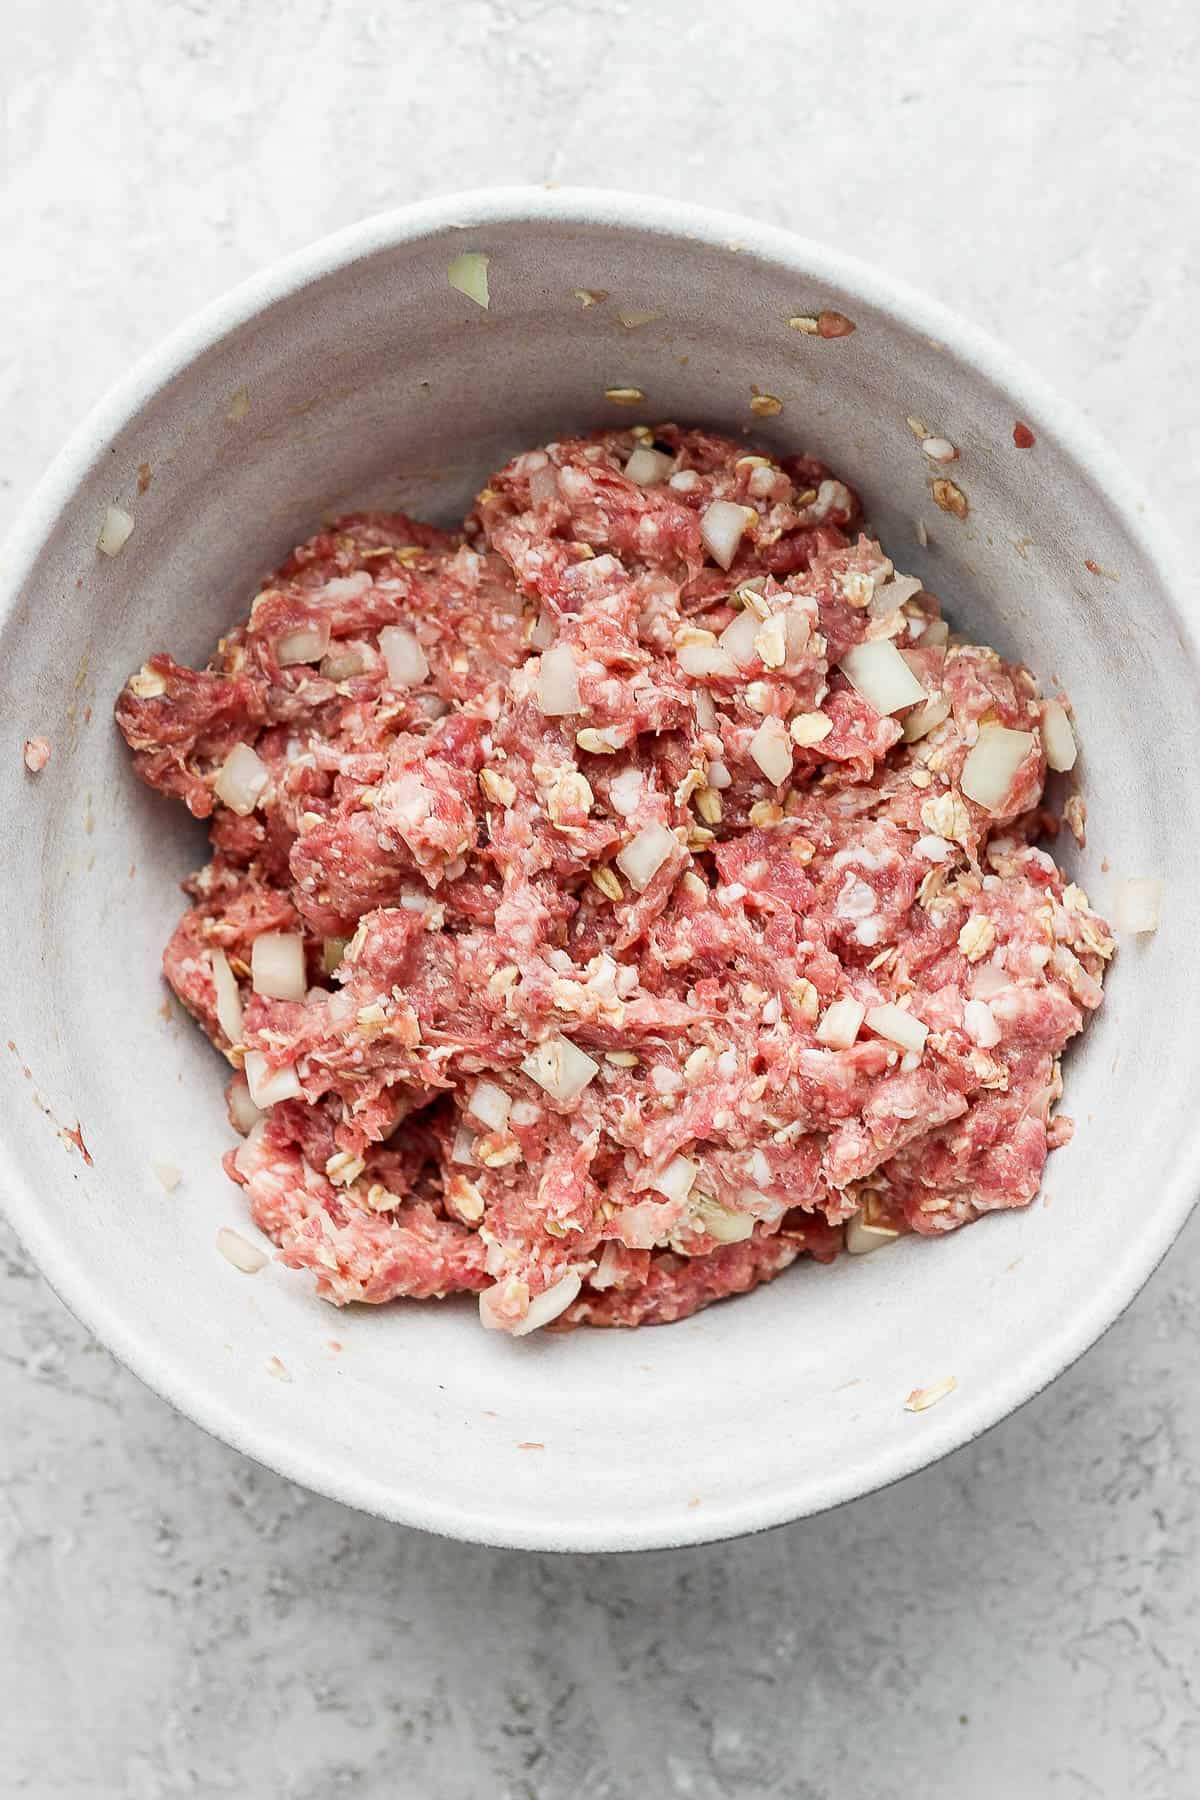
(758, 1168)
(856, 900)
(345, 587)
(861, 858)
(980, 1025)
(666, 1081)
(830, 495)
(933, 849)
(625, 791)
(727, 1064)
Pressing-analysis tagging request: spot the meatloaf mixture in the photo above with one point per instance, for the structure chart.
(620, 897)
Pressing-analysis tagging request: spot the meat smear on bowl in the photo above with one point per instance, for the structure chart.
(618, 898)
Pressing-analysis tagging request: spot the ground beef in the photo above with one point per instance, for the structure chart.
(590, 941)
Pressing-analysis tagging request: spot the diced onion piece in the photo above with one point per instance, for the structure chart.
(407, 665)
(548, 1305)
(892, 594)
(797, 631)
(980, 1025)
(922, 1398)
(898, 1027)
(241, 780)
(349, 587)
(268, 1086)
(992, 763)
(558, 682)
(722, 1222)
(543, 485)
(229, 1000)
(462, 1150)
(561, 1068)
(737, 639)
(490, 1105)
(608, 1269)
(542, 635)
(924, 719)
(878, 672)
(936, 632)
(839, 1028)
(237, 1250)
(646, 466)
(308, 644)
(114, 531)
(771, 748)
(243, 1114)
(1058, 740)
(645, 854)
(1138, 900)
(721, 528)
(705, 711)
(277, 969)
(344, 663)
(469, 274)
(862, 1238)
(678, 1179)
(703, 660)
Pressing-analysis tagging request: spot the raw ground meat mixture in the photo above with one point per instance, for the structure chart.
(620, 897)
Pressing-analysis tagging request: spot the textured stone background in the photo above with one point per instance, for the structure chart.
(1021, 1621)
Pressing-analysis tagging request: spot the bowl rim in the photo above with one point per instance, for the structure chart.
(788, 1498)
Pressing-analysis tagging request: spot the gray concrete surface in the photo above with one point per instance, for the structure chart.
(1019, 1622)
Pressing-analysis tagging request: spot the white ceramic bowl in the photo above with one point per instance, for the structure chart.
(368, 378)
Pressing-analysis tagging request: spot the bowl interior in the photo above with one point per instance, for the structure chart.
(375, 381)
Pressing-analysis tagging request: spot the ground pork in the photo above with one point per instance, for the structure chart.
(589, 938)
